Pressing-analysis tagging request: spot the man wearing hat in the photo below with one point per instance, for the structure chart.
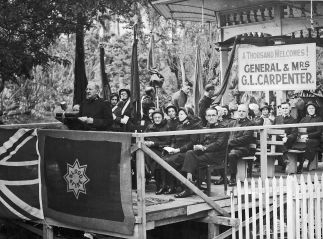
(312, 137)
(122, 115)
(205, 102)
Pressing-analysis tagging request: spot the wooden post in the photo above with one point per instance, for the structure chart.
(263, 153)
(48, 232)
(213, 229)
(140, 165)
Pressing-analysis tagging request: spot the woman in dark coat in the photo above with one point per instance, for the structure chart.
(313, 136)
(180, 144)
(122, 113)
(157, 143)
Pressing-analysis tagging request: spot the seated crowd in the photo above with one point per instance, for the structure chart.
(188, 152)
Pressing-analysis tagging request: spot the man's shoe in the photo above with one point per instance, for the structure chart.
(161, 191)
(185, 193)
(170, 190)
(220, 181)
(232, 182)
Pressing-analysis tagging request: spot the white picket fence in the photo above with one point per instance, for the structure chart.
(279, 208)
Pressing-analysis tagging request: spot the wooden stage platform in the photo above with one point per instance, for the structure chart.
(166, 209)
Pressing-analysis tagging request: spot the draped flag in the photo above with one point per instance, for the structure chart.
(135, 83)
(81, 180)
(19, 181)
(150, 60)
(104, 77)
(198, 84)
(225, 82)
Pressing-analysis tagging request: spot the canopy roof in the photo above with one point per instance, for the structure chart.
(191, 10)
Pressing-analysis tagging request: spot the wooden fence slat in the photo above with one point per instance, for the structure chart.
(281, 207)
(246, 203)
(239, 208)
(290, 209)
(233, 213)
(275, 229)
(297, 208)
(310, 207)
(318, 225)
(253, 205)
(267, 191)
(261, 211)
(304, 208)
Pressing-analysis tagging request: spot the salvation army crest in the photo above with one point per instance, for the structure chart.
(76, 178)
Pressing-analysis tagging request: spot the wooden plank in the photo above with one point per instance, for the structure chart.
(261, 210)
(253, 209)
(297, 214)
(233, 230)
(273, 142)
(140, 166)
(181, 178)
(263, 151)
(29, 126)
(318, 225)
(239, 207)
(276, 131)
(270, 166)
(226, 221)
(275, 206)
(241, 170)
(272, 146)
(281, 205)
(267, 202)
(310, 207)
(48, 232)
(246, 209)
(304, 208)
(290, 209)
(302, 130)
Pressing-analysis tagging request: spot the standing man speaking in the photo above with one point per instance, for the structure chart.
(94, 113)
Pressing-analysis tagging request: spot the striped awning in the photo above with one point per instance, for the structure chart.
(191, 10)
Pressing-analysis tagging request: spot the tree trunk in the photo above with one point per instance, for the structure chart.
(80, 80)
(183, 70)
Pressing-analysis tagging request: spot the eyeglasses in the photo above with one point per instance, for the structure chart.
(123, 93)
(211, 115)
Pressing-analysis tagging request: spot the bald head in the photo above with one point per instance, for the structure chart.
(92, 90)
(242, 111)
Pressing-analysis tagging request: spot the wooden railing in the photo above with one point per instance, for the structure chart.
(262, 129)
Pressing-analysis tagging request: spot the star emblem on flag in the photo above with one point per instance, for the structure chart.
(76, 178)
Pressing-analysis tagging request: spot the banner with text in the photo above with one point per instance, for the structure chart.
(285, 67)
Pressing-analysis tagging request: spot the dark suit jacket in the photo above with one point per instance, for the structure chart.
(100, 111)
(241, 139)
(291, 133)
